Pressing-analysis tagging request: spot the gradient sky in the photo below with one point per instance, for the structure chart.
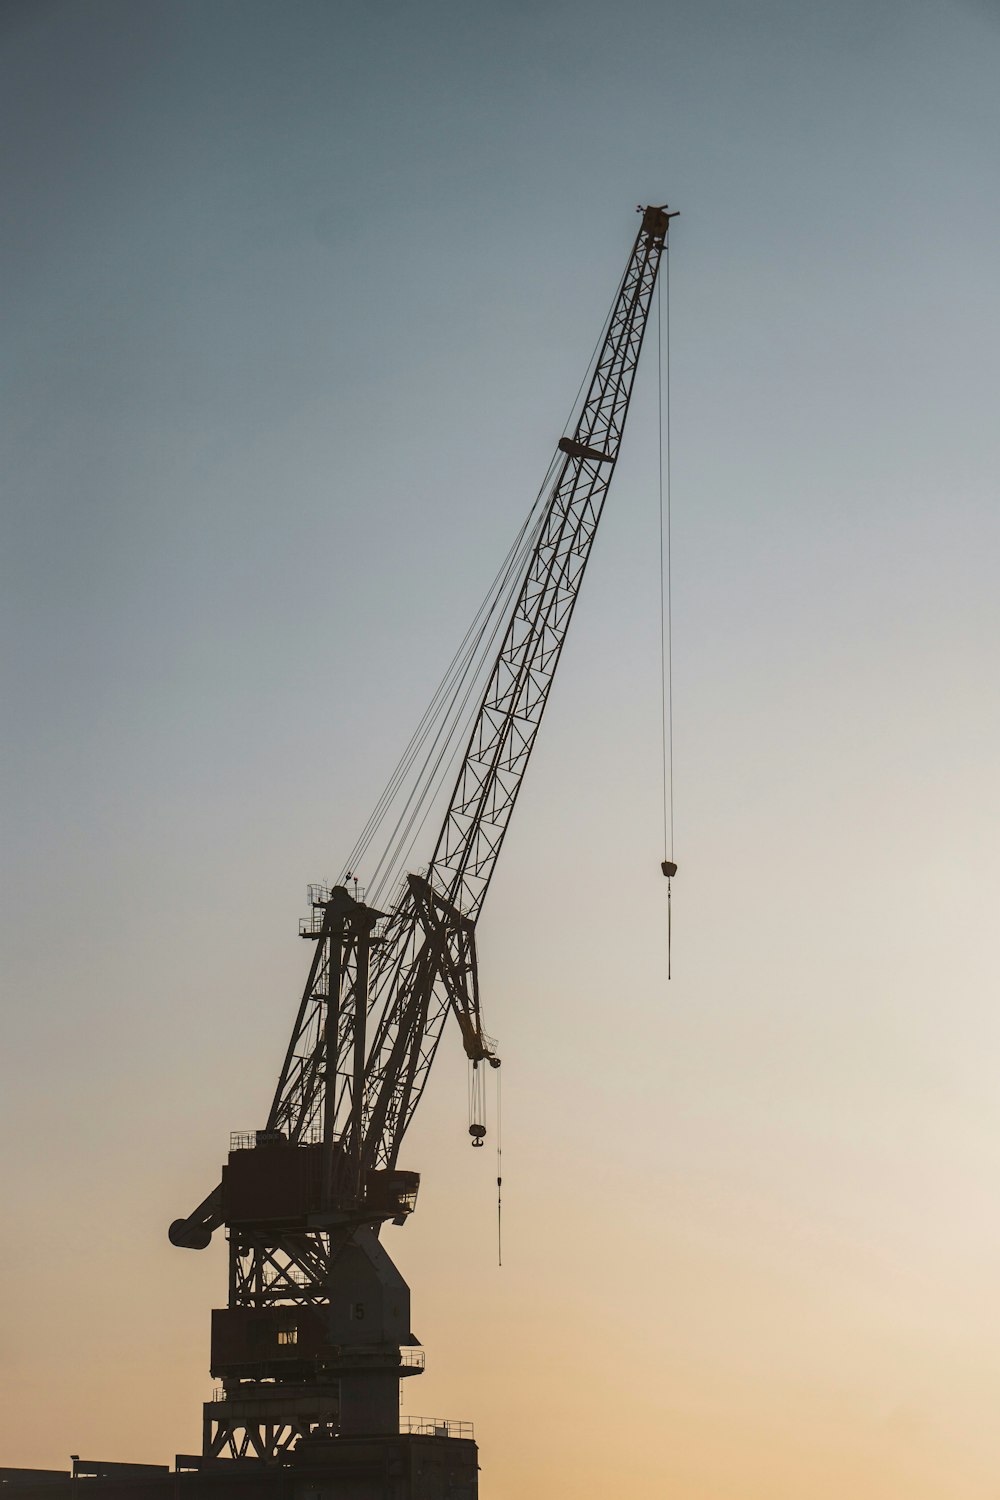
(296, 298)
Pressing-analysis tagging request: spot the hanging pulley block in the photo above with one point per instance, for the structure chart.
(477, 1132)
(668, 867)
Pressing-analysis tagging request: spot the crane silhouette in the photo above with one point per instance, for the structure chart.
(316, 1335)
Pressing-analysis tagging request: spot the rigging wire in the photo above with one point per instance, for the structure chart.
(449, 735)
(427, 719)
(668, 866)
(469, 664)
(463, 722)
(447, 720)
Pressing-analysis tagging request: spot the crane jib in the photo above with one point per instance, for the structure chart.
(377, 995)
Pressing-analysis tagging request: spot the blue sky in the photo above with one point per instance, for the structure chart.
(296, 298)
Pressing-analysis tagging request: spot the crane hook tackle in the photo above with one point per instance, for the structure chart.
(477, 1104)
(670, 870)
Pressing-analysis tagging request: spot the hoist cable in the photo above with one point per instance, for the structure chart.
(468, 661)
(670, 590)
(666, 592)
(469, 664)
(453, 721)
(499, 1169)
(666, 603)
(427, 719)
(467, 669)
(463, 723)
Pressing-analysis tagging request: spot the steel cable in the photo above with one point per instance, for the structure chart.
(450, 700)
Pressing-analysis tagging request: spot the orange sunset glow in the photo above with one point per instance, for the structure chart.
(298, 298)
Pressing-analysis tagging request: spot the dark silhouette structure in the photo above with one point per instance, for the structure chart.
(413, 1464)
(315, 1337)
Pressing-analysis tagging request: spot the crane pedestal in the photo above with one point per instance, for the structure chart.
(310, 1397)
(328, 1363)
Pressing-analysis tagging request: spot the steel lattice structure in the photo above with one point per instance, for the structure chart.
(414, 989)
(303, 1223)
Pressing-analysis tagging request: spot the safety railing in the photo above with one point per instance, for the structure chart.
(318, 897)
(436, 1427)
(247, 1140)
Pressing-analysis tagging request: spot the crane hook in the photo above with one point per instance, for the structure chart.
(670, 870)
